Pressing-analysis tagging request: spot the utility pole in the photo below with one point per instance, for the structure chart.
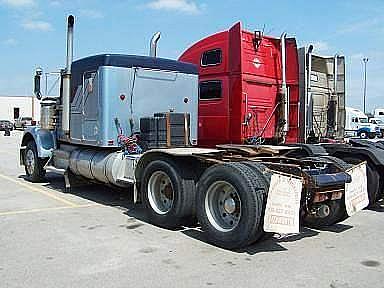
(365, 60)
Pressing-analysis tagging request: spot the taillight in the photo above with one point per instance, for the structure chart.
(33, 122)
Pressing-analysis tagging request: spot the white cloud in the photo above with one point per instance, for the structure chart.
(185, 6)
(37, 25)
(10, 42)
(18, 3)
(90, 13)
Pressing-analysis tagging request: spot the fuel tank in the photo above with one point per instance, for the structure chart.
(102, 166)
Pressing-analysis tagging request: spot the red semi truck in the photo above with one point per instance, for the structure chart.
(247, 95)
(258, 89)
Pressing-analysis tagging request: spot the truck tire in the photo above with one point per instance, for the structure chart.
(167, 194)
(230, 204)
(373, 178)
(263, 171)
(362, 135)
(337, 210)
(371, 135)
(34, 166)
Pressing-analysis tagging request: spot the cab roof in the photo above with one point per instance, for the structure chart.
(129, 61)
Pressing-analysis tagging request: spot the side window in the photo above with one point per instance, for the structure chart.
(88, 78)
(381, 113)
(210, 90)
(211, 57)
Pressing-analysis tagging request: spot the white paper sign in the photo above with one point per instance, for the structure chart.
(356, 192)
(282, 212)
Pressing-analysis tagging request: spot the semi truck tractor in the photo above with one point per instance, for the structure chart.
(146, 124)
(258, 89)
(323, 95)
(358, 124)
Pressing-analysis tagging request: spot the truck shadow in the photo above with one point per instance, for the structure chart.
(377, 207)
(123, 200)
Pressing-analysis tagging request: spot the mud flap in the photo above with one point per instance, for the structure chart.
(356, 192)
(282, 212)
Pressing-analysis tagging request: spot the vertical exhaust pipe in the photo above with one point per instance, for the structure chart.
(66, 81)
(309, 105)
(284, 90)
(333, 101)
(153, 44)
(71, 22)
(335, 72)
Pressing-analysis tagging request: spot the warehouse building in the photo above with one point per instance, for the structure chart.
(13, 107)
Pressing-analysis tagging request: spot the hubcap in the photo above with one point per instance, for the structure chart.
(223, 206)
(30, 162)
(160, 192)
(229, 205)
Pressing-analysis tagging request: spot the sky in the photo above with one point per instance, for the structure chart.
(32, 33)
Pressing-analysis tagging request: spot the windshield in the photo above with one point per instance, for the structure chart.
(26, 118)
(363, 120)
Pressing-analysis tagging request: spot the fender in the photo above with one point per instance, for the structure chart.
(364, 129)
(45, 141)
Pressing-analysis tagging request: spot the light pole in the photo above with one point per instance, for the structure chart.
(365, 60)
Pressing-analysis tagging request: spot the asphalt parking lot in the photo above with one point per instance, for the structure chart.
(95, 237)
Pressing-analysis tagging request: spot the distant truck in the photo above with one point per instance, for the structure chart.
(379, 113)
(357, 124)
(22, 122)
(379, 123)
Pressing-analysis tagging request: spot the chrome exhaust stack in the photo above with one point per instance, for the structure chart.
(284, 90)
(66, 80)
(335, 71)
(309, 104)
(334, 98)
(153, 44)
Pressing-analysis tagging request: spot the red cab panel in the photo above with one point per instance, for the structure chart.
(240, 87)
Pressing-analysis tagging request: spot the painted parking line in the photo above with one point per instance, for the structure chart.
(16, 212)
(39, 190)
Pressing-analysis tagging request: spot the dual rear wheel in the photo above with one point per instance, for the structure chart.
(229, 200)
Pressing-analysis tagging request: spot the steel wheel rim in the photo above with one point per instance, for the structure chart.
(161, 194)
(30, 162)
(223, 206)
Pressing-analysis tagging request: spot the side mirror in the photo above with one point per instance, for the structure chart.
(37, 89)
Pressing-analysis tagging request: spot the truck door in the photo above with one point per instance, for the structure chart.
(260, 103)
(213, 111)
